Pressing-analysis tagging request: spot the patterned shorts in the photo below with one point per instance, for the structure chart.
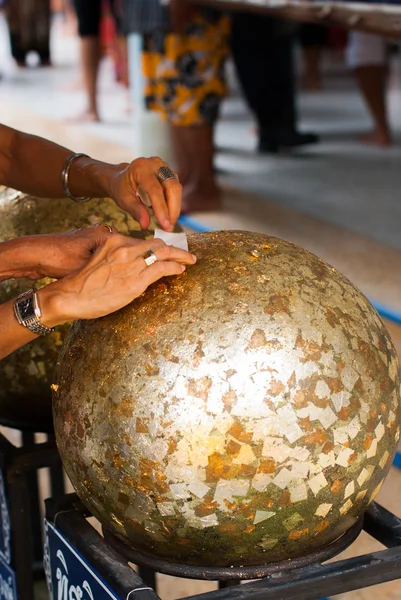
(184, 74)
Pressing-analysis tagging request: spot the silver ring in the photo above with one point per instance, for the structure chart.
(150, 258)
(165, 174)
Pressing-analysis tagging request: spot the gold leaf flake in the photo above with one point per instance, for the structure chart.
(293, 521)
(323, 510)
(262, 515)
(349, 490)
(346, 507)
(317, 483)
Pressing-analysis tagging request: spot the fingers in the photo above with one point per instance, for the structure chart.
(159, 270)
(165, 198)
(173, 194)
(146, 177)
(98, 234)
(117, 274)
(140, 214)
(164, 252)
(158, 200)
(128, 249)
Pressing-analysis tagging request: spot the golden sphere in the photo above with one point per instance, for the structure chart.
(242, 413)
(26, 375)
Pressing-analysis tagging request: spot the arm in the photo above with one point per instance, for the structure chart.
(115, 275)
(53, 255)
(34, 165)
(12, 335)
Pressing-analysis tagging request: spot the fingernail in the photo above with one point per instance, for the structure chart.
(167, 224)
(193, 257)
(182, 268)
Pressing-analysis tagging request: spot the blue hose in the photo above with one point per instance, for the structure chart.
(387, 313)
(193, 224)
(397, 460)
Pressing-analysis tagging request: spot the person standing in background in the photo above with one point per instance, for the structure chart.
(89, 16)
(185, 50)
(367, 55)
(262, 50)
(312, 39)
(29, 27)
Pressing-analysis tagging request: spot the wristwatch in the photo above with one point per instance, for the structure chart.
(28, 313)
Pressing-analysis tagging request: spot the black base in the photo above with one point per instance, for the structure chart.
(19, 466)
(302, 583)
(167, 567)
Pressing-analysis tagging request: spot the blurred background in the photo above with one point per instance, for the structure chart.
(307, 144)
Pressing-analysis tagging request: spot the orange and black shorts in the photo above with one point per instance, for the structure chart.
(184, 74)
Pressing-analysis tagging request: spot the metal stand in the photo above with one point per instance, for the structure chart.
(21, 496)
(228, 574)
(290, 582)
(82, 544)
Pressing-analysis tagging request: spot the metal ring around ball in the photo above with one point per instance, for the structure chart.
(211, 573)
(165, 174)
(150, 258)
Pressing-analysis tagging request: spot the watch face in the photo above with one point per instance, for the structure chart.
(26, 308)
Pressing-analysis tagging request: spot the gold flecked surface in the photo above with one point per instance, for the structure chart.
(244, 412)
(26, 375)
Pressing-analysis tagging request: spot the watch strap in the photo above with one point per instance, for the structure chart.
(33, 323)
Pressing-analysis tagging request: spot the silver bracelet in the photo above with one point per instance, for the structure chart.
(65, 175)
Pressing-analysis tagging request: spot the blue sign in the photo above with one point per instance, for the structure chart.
(8, 588)
(68, 575)
(5, 527)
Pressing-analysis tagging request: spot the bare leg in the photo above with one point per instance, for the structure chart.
(312, 78)
(181, 154)
(193, 148)
(70, 19)
(90, 57)
(122, 60)
(372, 84)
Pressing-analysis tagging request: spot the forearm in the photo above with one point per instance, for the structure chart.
(15, 258)
(27, 256)
(34, 165)
(12, 334)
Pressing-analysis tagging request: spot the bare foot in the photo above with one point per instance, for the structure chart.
(378, 137)
(85, 117)
(128, 104)
(75, 85)
(69, 28)
(198, 200)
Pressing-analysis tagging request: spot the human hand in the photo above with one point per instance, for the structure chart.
(165, 198)
(116, 274)
(53, 255)
(60, 254)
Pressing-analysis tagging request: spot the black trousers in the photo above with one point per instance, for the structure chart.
(89, 13)
(262, 50)
(29, 28)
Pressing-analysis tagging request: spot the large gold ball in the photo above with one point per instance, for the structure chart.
(244, 412)
(26, 375)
